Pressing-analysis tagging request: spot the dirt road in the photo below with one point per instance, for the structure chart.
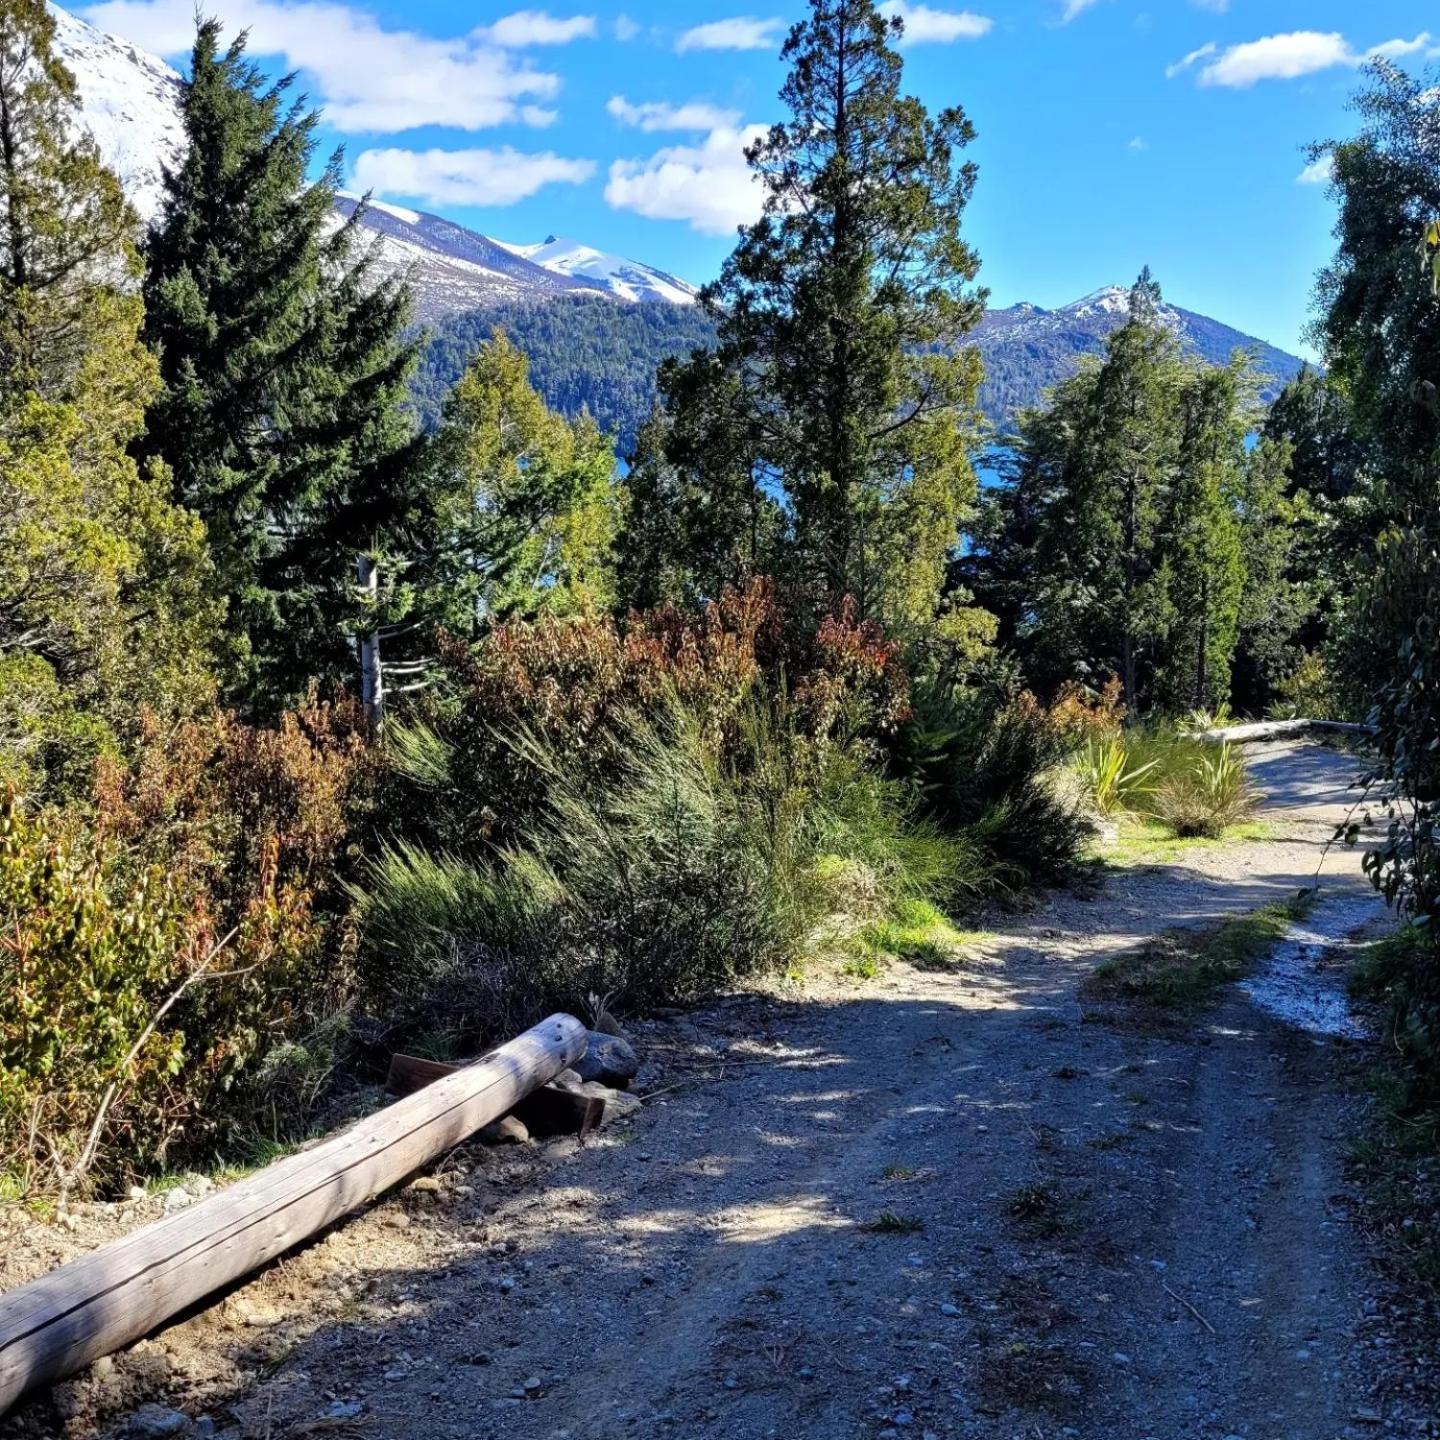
(946, 1203)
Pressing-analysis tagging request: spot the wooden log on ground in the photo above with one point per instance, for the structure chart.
(409, 1073)
(1277, 730)
(53, 1326)
(547, 1110)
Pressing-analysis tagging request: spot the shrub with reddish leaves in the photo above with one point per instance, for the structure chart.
(169, 941)
(567, 682)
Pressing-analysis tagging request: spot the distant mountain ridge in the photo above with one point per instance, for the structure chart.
(1029, 350)
(590, 355)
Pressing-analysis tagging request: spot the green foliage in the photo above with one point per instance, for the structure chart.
(1379, 321)
(570, 681)
(529, 514)
(1117, 543)
(1182, 969)
(1115, 781)
(1380, 324)
(1208, 796)
(990, 770)
(106, 602)
(1157, 773)
(170, 952)
(587, 355)
(87, 955)
(692, 861)
(281, 415)
(838, 378)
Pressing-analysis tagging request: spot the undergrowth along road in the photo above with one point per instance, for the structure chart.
(965, 1201)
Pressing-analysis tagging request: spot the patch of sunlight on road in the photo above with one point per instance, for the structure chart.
(757, 1224)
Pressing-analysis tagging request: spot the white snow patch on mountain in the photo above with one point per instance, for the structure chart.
(628, 279)
(130, 102)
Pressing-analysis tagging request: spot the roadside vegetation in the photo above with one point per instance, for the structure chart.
(1182, 969)
(783, 686)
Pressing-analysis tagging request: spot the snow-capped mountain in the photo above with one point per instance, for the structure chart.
(1028, 349)
(628, 279)
(130, 103)
(448, 267)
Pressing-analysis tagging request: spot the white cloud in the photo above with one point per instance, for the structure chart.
(744, 32)
(1317, 172)
(1074, 8)
(625, 28)
(1398, 49)
(1139, 142)
(1216, 7)
(1287, 57)
(536, 27)
(464, 177)
(926, 26)
(366, 76)
(1171, 71)
(709, 185)
(1277, 57)
(652, 115)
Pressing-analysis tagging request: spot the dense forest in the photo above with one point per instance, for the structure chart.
(586, 353)
(785, 688)
(591, 354)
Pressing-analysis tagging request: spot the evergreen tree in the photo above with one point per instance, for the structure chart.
(1201, 544)
(66, 233)
(282, 414)
(1379, 324)
(651, 553)
(839, 379)
(530, 516)
(106, 603)
(1280, 607)
(1098, 545)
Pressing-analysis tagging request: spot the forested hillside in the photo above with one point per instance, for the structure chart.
(601, 354)
(586, 352)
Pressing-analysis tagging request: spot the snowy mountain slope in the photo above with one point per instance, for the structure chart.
(131, 105)
(448, 267)
(627, 279)
(1028, 350)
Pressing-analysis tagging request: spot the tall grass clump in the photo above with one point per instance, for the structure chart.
(1156, 773)
(1206, 794)
(689, 866)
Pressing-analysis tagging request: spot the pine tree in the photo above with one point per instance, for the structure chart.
(1098, 555)
(284, 365)
(106, 602)
(839, 379)
(530, 516)
(1379, 323)
(1201, 542)
(67, 251)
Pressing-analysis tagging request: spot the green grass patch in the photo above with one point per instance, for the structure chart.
(887, 1222)
(1397, 1157)
(1182, 969)
(916, 932)
(1152, 842)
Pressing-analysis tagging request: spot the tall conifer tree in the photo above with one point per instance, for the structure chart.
(106, 604)
(284, 365)
(839, 379)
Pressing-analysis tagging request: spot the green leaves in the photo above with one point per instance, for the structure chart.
(839, 383)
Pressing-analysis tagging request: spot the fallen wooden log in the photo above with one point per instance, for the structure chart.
(1278, 729)
(547, 1110)
(53, 1326)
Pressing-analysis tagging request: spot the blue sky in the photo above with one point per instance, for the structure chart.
(1112, 133)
